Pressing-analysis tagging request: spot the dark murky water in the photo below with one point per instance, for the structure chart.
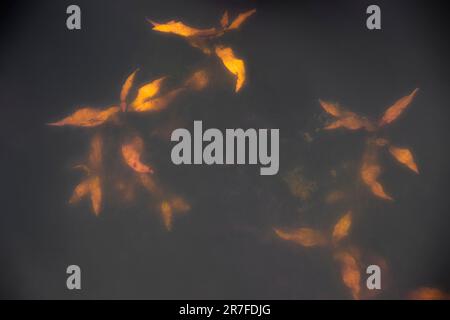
(224, 247)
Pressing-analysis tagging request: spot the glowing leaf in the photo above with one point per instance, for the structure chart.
(181, 29)
(125, 90)
(87, 117)
(92, 187)
(158, 104)
(80, 191)
(342, 227)
(345, 118)
(353, 122)
(131, 153)
(240, 19)
(405, 157)
(304, 236)
(147, 91)
(96, 194)
(331, 108)
(369, 174)
(428, 294)
(350, 272)
(234, 65)
(397, 108)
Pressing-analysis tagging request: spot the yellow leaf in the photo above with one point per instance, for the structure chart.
(240, 19)
(342, 227)
(87, 117)
(405, 157)
(147, 91)
(125, 90)
(131, 153)
(181, 29)
(160, 103)
(234, 65)
(394, 111)
(304, 236)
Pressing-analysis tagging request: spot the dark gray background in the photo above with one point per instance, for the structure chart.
(224, 247)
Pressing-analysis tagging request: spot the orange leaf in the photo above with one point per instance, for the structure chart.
(394, 111)
(92, 187)
(126, 89)
(158, 104)
(147, 91)
(342, 227)
(240, 19)
(304, 236)
(234, 65)
(331, 108)
(350, 272)
(80, 191)
(370, 172)
(428, 294)
(87, 117)
(181, 29)
(96, 194)
(131, 153)
(405, 157)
